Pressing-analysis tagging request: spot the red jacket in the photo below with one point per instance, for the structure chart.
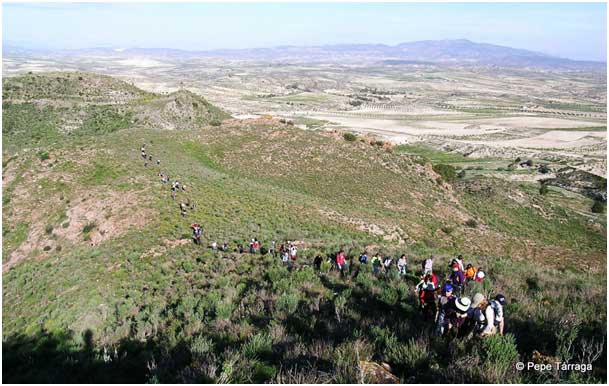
(340, 259)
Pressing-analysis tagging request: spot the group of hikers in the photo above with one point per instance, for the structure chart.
(441, 303)
(444, 304)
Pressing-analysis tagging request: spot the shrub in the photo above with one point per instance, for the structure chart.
(224, 310)
(499, 354)
(48, 229)
(288, 302)
(349, 137)
(89, 227)
(471, 223)
(364, 279)
(389, 295)
(599, 207)
(201, 345)
(326, 266)
(533, 284)
(543, 189)
(447, 172)
(43, 155)
(258, 345)
(215, 122)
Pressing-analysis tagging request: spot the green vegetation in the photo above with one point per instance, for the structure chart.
(447, 173)
(144, 304)
(350, 137)
(599, 207)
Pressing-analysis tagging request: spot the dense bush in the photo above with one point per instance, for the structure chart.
(447, 172)
(499, 355)
(349, 137)
(599, 207)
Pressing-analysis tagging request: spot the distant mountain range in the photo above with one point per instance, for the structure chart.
(442, 52)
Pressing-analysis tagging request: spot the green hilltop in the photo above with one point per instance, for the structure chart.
(102, 283)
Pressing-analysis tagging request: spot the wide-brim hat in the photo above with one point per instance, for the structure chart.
(463, 304)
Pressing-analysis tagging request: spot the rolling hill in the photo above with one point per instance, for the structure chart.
(101, 281)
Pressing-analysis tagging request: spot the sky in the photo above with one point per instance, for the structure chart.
(569, 30)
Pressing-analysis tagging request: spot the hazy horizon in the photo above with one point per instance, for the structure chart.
(573, 31)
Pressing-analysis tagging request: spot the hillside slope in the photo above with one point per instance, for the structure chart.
(101, 281)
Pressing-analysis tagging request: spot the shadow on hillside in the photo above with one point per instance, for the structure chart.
(57, 358)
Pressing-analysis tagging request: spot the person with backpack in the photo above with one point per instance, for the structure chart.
(341, 262)
(470, 273)
(427, 300)
(272, 249)
(376, 264)
(387, 264)
(402, 265)
(317, 263)
(483, 316)
(457, 279)
(196, 233)
(459, 261)
(256, 245)
(363, 258)
(182, 208)
(455, 314)
(498, 303)
(427, 264)
(427, 278)
(479, 278)
(293, 252)
(445, 296)
(251, 246)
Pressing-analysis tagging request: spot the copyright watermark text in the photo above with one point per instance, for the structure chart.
(556, 366)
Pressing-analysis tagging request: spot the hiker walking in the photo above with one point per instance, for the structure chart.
(182, 208)
(196, 233)
(402, 265)
(427, 299)
(363, 258)
(457, 279)
(293, 252)
(317, 263)
(427, 264)
(488, 316)
(387, 264)
(470, 273)
(455, 314)
(341, 262)
(376, 264)
(479, 278)
(445, 296)
(272, 249)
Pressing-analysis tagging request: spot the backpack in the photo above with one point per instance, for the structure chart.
(470, 273)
